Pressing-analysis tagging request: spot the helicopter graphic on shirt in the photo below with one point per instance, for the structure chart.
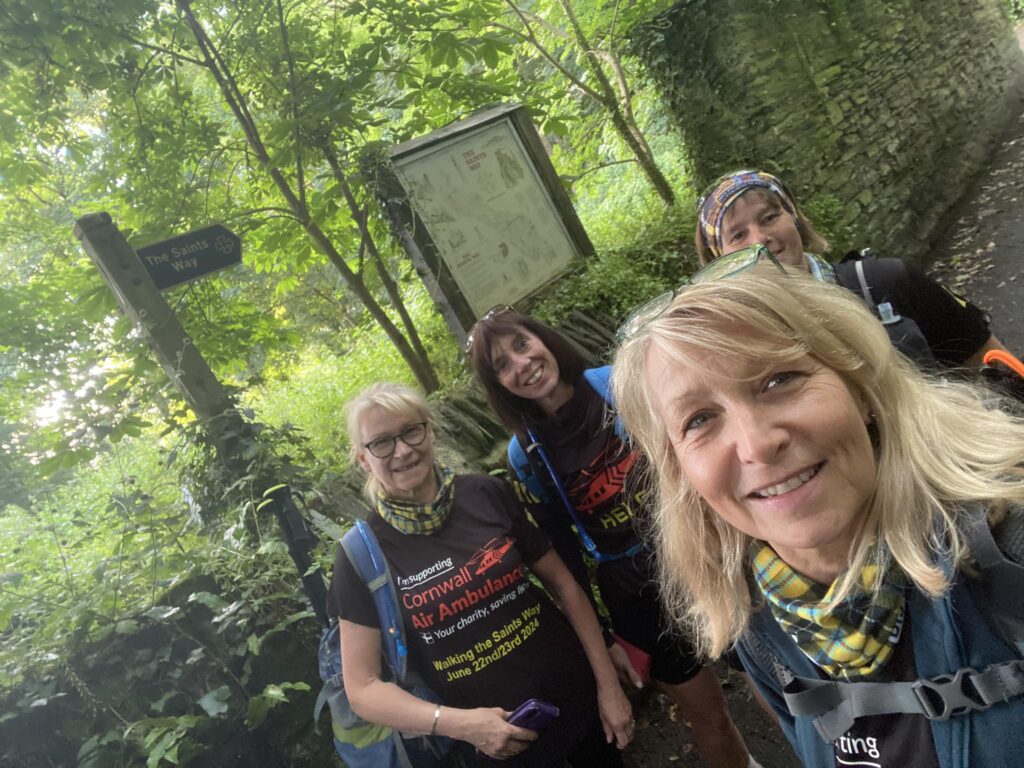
(490, 554)
(593, 488)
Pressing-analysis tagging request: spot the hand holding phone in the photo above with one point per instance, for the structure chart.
(533, 714)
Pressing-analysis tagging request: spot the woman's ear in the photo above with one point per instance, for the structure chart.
(361, 459)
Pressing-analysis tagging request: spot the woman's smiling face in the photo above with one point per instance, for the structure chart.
(757, 216)
(780, 453)
(408, 472)
(524, 366)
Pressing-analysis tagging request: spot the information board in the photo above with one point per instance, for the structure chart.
(486, 211)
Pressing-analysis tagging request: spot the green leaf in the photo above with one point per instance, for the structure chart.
(215, 702)
(126, 627)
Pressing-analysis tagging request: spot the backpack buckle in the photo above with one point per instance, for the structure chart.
(947, 695)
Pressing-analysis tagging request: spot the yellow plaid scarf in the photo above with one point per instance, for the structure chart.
(854, 639)
(411, 517)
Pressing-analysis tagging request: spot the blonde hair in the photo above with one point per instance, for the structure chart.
(938, 444)
(393, 398)
(812, 240)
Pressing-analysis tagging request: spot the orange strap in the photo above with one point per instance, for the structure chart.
(1004, 357)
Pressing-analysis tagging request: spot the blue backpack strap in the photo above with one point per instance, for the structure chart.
(520, 466)
(363, 550)
(601, 380)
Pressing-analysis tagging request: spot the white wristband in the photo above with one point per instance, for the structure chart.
(437, 716)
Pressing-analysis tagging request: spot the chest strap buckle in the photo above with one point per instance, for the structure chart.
(947, 695)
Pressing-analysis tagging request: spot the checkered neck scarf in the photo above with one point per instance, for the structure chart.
(412, 517)
(854, 639)
(714, 205)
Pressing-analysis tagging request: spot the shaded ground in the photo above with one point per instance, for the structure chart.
(981, 255)
(664, 740)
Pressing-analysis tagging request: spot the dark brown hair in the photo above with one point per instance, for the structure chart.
(518, 413)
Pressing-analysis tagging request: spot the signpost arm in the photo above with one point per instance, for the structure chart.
(142, 301)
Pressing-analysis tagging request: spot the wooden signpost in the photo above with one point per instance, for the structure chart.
(136, 279)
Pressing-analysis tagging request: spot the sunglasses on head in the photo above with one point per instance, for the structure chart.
(719, 269)
(491, 313)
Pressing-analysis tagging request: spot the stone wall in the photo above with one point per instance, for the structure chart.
(877, 113)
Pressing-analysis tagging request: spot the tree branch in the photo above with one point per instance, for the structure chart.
(531, 37)
(300, 175)
(160, 49)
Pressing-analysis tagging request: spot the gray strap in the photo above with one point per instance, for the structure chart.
(979, 538)
(330, 685)
(400, 754)
(321, 702)
(864, 289)
(835, 706)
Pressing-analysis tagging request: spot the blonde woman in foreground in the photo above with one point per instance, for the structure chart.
(830, 511)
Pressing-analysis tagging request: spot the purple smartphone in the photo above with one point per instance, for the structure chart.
(533, 714)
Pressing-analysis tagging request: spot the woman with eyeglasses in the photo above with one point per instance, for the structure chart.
(925, 321)
(852, 526)
(479, 633)
(572, 466)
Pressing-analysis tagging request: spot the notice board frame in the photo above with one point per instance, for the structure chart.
(425, 250)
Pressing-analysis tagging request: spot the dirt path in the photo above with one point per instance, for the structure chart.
(664, 740)
(981, 254)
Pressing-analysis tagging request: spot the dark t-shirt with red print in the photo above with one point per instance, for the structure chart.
(479, 632)
(597, 469)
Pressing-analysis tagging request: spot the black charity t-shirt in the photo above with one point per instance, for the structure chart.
(954, 328)
(479, 632)
(890, 741)
(598, 470)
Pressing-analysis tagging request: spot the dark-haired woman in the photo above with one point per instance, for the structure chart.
(539, 387)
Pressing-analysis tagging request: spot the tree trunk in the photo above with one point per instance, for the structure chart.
(389, 283)
(236, 101)
(626, 128)
(643, 155)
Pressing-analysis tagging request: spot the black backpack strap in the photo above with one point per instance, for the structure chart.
(1000, 584)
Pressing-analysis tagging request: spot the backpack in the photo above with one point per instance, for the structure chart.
(997, 588)
(533, 468)
(904, 332)
(359, 743)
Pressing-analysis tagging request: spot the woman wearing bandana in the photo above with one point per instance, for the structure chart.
(927, 322)
(853, 527)
(479, 633)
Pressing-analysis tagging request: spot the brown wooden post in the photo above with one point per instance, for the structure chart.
(142, 301)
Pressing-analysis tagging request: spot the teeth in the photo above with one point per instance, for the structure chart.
(789, 485)
(534, 378)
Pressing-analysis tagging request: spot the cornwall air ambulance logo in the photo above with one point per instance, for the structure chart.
(490, 554)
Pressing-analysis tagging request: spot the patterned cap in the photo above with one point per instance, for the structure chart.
(714, 205)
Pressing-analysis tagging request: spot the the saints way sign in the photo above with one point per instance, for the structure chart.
(187, 257)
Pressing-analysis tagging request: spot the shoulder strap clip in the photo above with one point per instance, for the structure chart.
(835, 706)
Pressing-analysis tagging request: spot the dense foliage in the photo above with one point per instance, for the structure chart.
(146, 608)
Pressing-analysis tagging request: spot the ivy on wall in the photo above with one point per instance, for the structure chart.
(878, 113)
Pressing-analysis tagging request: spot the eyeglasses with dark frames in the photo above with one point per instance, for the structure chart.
(491, 313)
(384, 446)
